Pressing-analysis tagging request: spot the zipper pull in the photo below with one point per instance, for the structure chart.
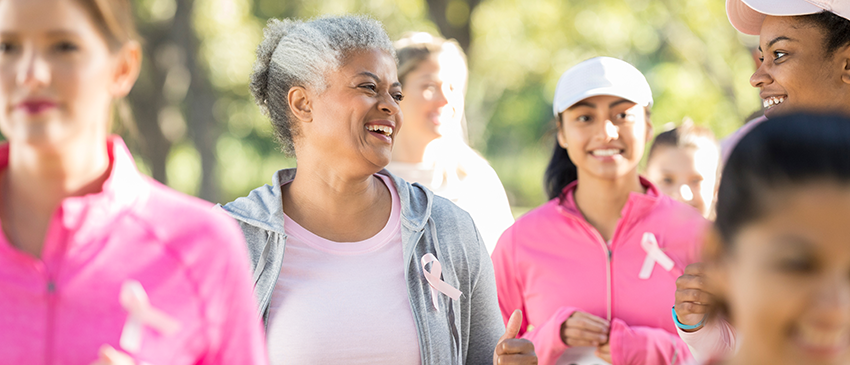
(51, 287)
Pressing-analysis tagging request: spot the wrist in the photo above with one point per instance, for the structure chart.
(685, 327)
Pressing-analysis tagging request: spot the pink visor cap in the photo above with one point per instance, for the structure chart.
(601, 76)
(747, 15)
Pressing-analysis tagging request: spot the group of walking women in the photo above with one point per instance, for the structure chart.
(350, 263)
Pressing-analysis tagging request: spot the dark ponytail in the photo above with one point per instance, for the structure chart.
(560, 172)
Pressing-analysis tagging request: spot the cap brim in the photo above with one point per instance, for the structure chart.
(748, 15)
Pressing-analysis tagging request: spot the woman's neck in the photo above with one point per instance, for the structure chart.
(337, 206)
(601, 201)
(409, 150)
(38, 179)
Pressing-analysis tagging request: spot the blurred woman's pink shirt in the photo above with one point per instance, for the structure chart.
(191, 260)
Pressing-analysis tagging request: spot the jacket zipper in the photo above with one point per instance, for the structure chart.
(608, 256)
(51, 312)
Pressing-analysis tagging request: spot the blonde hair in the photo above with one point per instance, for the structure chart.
(114, 19)
(415, 47)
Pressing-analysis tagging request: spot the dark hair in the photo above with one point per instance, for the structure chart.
(781, 153)
(836, 29)
(560, 172)
(685, 135)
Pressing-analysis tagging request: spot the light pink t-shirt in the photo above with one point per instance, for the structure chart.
(343, 302)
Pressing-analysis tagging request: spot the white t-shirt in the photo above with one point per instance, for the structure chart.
(479, 192)
(343, 302)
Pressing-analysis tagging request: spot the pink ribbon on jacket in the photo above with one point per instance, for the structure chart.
(437, 284)
(653, 255)
(135, 301)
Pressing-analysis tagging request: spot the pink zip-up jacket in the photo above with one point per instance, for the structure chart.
(552, 262)
(190, 259)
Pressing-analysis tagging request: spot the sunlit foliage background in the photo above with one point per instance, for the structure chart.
(199, 130)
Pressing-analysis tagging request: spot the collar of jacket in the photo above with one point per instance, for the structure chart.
(638, 205)
(263, 207)
(86, 215)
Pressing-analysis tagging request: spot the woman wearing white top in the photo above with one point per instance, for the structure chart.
(431, 150)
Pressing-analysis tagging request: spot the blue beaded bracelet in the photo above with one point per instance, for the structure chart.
(684, 326)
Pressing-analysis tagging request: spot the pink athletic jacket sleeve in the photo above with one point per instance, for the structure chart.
(716, 338)
(545, 337)
(640, 345)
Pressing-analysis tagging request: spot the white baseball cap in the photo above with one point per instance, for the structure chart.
(747, 15)
(601, 76)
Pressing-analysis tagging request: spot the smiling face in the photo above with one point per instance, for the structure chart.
(687, 174)
(57, 73)
(434, 100)
(605, 136)
(355, 120)
(426, 97)
(786, 279)
(797, 74)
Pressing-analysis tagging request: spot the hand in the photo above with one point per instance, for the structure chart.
(604, 352)
(512, 350)
(110, 356)
(584, 329)
(693, 300)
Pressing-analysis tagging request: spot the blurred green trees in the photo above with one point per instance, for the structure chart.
(199, 130)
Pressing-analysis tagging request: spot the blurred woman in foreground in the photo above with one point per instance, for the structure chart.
(781, 260)
(94, 256)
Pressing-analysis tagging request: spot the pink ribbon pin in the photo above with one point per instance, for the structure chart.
(135, 301)
(437, 284)
(653, 255)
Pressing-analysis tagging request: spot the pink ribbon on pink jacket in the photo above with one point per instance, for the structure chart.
(653, 255)
(134, 299)
(437, 284)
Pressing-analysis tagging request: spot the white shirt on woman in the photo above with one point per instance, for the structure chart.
(343, 302)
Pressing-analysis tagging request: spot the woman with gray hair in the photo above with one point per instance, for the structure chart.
(377, 270)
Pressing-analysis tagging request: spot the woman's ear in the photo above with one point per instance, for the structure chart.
(127, 67)
(844, 55)
(300, 103)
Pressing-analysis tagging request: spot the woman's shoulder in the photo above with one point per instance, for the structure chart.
(185, 226)
(443, 209)
(545, 213)
(176, 213)
(536, 226)
(673, 213)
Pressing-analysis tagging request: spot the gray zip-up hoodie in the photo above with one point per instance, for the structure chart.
(461, 332)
